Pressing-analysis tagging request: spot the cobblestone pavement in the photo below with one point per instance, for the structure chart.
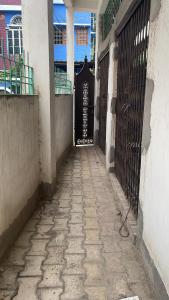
(71, 249)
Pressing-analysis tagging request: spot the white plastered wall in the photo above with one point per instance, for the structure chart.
(38, 42)
(154, 189)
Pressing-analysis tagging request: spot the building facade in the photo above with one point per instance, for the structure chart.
(84, 31)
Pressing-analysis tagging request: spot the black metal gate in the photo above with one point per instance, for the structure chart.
(103, 69)
(131, 80)
(84, 106)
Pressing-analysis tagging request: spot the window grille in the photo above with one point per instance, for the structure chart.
(59, 35)
(82, 36)
(62, 84)
(14, 36)
(109, 16)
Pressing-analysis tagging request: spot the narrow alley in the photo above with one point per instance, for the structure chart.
(71, 249)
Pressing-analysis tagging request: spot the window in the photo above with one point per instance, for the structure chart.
(14, 34)
(82, 36)
(59, 35)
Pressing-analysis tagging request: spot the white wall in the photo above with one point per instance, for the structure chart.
(19, 155)
(154, 190)
(63, 114)
(38, 42)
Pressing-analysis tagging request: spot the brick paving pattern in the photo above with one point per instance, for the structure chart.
(71, 249)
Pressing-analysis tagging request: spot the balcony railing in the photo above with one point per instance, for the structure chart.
(109, 16)
(62, 84)
(15, 76)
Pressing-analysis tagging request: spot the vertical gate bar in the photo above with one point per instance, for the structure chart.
(131, 80)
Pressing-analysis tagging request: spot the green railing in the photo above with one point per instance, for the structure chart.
(15, 76)
(109, 16)
(62, 84)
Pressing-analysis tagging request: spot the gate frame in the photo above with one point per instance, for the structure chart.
(128, 16)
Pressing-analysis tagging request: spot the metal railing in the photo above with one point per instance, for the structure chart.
(109, 16)
(15, 76)
(62, 84)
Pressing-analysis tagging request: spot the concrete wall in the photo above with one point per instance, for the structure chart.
(38, 42)
(63, 114)
(19, 163)
(154, 190)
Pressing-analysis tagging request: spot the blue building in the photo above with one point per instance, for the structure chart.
(84, 33)
(84, 30)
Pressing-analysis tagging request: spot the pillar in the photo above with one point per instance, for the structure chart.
(38, 42)
(70, 43)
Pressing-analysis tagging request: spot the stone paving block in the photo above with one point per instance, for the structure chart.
(92, 237)
(110, 245)
(32, 266)
(76, 175)
(77, 207)
(89, 193)
(89, 202)
(59, 239)
(64, 196)
(74, 264)
(38, 247)
(77, 192)
(46, 220)
(6, 295)
(77, 199)
(15, 257)
(75, 246)
(91, 223)
(8, 277)
(135, 271)
(50, 209)
(90, 212)
(94, 274)
(27, 288)
(96, 293)
(43, 232)
(64, 203)
(74, 289)
(108, 230)
(93, 253)
(23, 240)
(55, 256)
(66, 178)
(60, 224)
(114, 263)
(51, 276)
(63, 213)
(76, 180)
(76, 218)
(49, 294)
(76, 230)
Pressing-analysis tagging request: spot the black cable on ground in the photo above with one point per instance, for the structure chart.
(124, 224)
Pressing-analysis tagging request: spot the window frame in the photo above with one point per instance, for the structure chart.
(14, 49)
(82, 36)
(60, 35)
